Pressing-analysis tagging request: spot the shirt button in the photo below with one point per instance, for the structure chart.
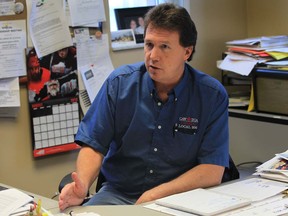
(175, 99)
(151, 171)
(159, 104)
(159, 127)
(155, 149)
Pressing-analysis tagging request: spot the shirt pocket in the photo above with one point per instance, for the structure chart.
(181, 149)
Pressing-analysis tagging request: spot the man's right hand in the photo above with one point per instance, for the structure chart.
(73, 193)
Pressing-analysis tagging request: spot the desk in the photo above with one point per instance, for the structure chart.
(102, 210)
(109, 210)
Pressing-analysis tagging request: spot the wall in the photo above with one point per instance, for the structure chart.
(254, 140)
(217, 22)
(267, 18)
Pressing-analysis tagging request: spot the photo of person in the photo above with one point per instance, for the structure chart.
(132, 18)
(133, 24)
(63, 62)
(140, 27)
(37, 75)
(281, 165)
(53, 76)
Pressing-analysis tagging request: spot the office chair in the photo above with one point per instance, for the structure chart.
(230, 173)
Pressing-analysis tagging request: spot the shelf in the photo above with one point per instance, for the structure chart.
(257, 116)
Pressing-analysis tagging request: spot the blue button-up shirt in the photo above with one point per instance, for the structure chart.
(147, 142)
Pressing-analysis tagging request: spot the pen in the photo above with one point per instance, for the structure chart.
(38, 208)
(285, 195)
(31, 210)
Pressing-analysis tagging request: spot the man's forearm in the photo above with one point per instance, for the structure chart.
(202, 176)
(88, 165)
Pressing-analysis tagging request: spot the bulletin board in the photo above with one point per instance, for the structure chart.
(53, 88)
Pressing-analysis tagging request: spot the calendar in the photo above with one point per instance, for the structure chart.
(54, 125)
(53, 95)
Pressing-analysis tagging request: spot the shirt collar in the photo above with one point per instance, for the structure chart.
(177, 89)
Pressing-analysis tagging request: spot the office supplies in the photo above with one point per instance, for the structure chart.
(203, 202)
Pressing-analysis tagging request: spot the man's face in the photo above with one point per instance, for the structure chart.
(141, 21)
(133, 24)
(63, 53)
(34, 68)
(53, 88)
(164, 56)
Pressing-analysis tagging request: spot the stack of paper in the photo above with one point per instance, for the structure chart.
(9, 97)
(243, 55)
(12, 200)
(275, 168)
(265, 196)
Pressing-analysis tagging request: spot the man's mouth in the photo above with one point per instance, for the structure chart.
(153, 67)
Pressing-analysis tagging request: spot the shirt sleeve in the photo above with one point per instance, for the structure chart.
(97, 127)
(215, 143)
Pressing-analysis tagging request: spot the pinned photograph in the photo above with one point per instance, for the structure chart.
(123, 39)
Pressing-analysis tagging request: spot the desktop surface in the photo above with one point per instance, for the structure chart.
(112, 210)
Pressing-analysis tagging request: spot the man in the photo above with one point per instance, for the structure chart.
(140, 28)
(37, 75)
(63, 62)
(154, 129)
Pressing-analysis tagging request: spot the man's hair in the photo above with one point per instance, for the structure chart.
(173, 18)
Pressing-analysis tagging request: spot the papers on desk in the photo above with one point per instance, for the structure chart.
(275, 168)
(11, 200)
(255, 189)
(203, 202)
(265, 196)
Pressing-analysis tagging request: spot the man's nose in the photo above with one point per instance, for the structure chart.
(154, 54)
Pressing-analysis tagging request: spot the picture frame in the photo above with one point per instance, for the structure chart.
(132, 18)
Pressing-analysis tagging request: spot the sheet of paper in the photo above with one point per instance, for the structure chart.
(94, 63)
(167, 210)
(86, 13)
(11, 200)
(253, 188)
(12, 48)
(238, 63)
(7, 7)
(67, 12)
(9, 97)
(203, 202)
(246, 41)
(29, 6)
(48, 27)
(274, 206)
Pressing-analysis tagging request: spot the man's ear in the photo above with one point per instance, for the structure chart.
(188, 52)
